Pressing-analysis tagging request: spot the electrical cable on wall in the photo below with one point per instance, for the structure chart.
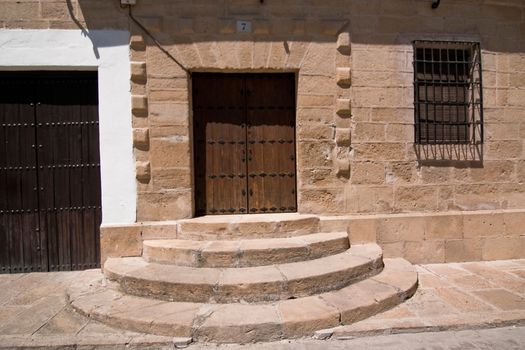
(159, 45)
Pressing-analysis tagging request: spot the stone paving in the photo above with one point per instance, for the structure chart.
(34, 312)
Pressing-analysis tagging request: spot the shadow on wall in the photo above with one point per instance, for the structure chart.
(376, 22)
(458, 155)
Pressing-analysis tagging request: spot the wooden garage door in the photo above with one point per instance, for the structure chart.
(50, 209)
(244, 132)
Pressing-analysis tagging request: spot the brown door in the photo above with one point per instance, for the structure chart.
(244, 132)
(50, 209)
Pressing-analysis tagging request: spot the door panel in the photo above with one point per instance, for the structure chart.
(220, 139)
(67, 132)
(19, 231)
(271, 143)
(244, 132)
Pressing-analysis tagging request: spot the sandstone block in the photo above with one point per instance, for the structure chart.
(314, 154)
(55, 11)
(120, 240)
(220, 254)
(500, 248)
(315, 84)
(306, 315)
(342, 137)
(362, 230)
(344, 76)
(368, 173)
(262, 283)
(416, 198)
(298, 26)
(141, 137)
(184, 25)
(138, 72)
(16, 11)
(459, 250)
(164, 205)
(425, 252)
(143, 170)
(239, 322)
(315, 100)
(483, 225)
(169, 152)
(343, 43)
(168, 114)
(171, 178)
(342, 167)
(314, 131)
(369, 198)
(379, 151)
(444, 227)
(332, 27)
(139, 103)
(137, 42)
(343, 107)
(319, 59)
(514, 223)
(153, 23)
(227, 26)
(402, 228)
(261, 27)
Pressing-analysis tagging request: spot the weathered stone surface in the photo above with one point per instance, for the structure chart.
(344, 76)
(245, 253)
(248, 226)
(243, 322)
(304, 316)
(141, 137)
(343, 107)
(143, 171)
(139, 103)
(120, 240)
(264, 283)
(344, 43)
(138, 72)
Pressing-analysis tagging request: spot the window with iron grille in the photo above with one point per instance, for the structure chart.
(447, 93)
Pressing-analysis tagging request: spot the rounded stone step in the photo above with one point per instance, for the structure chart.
(252, 284)
(245, 253)
(234, 227)
(243, 323)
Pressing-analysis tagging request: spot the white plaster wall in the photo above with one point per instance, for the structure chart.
(108, 52)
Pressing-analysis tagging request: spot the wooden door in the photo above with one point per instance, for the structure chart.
(50, 209)
(244, 143)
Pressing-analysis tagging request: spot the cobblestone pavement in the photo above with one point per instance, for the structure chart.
(34, 313)
(507, 338)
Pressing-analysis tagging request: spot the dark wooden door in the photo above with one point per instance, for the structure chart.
(244, 143)
(61, 143)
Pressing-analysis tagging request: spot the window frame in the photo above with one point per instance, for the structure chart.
(430, 126)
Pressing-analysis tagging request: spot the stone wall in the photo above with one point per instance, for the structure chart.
(354, 120)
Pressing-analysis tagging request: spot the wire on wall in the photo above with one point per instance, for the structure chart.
(159, 45)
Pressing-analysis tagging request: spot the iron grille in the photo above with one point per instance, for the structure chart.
(448, 98)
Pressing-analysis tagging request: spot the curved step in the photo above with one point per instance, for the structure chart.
(245, 253)
(252, 284)
(243, 323)
(233, 227)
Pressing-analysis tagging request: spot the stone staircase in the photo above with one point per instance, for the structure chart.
(246, 278)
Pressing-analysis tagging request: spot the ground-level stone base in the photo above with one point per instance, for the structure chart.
(420, 238)
(242, 323)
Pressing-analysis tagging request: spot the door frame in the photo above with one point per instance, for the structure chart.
(106, 51)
